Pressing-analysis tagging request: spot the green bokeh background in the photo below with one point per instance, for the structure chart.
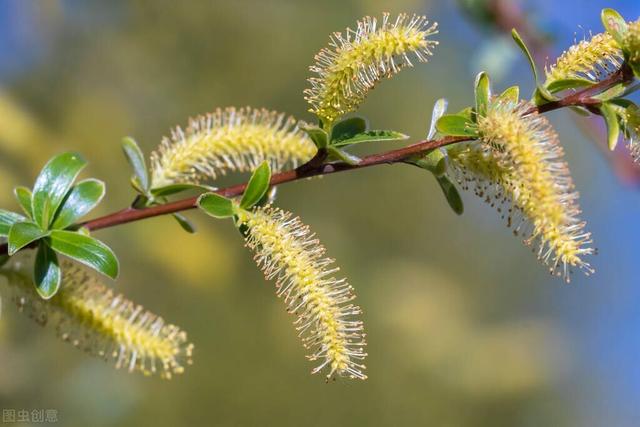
(456, 310)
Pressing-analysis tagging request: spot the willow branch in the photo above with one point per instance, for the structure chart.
(581, 98)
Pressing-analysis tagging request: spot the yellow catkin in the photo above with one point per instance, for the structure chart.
(93, 318)
(518, 167)
(589, 59)
(356, 60)
(631, 42)
(229, 140)
(287, 251)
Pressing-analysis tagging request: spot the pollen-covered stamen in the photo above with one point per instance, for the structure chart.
(517, 167)
(287, 251)
(356, 60)
(592, 59)
(93, 318)
(229, 140)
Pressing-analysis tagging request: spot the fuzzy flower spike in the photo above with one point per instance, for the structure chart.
(102, 323)
(287, 251)
(590, 59)
(518, 160)
(229, 140)
(356, 60)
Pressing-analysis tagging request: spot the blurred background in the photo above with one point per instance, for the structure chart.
(464, 327)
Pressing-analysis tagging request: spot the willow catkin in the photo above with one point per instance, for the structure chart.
(101, 322)
(356, 60)
(590, 59)
(229, 139)
(518, 167)
(285, 249)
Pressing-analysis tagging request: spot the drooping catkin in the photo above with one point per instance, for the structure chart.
(356, 60)
(229, 140)
(590, 59)
(101, 322)
(518, 167)
(285, 249)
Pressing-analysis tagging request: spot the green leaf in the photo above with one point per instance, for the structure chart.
(184, 223)
(511, 94)
(614, 24)
(85, 250)
(371, 136)
(439, 108)
(7, 219)
(23, 196)
(482, 93)
(257, 186)
(317, 135)
(169, 190)
(435, 162)
(46, 273)
(216, 205)
(454, 125)
(81, 199)
(348, 128)
(541, 90)
(613, 127)
(23, 233)
(451, 194)
(136, 160)
(52, 186)
(564, 84)
(338, 154)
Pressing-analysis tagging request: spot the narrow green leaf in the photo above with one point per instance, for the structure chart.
(46, 272)
(613, 127)
(371, 136)
(135, 157)
(169, 190)
(614, 24)
(483, 93)
(541, 90)
(257, 186)
(564, 84)
(511, 94)
(454, 125)
(52, 186)
(338, 154)
(23, 196)
(439, 108)
(86, 250)
(184, 223)
(317, 135)
(451, 194)
(216, 205)
(348, 128)
(7, 219)
(81, 199)
(23, 233)
(613, 92)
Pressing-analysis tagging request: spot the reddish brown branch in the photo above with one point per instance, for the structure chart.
(578, 98)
